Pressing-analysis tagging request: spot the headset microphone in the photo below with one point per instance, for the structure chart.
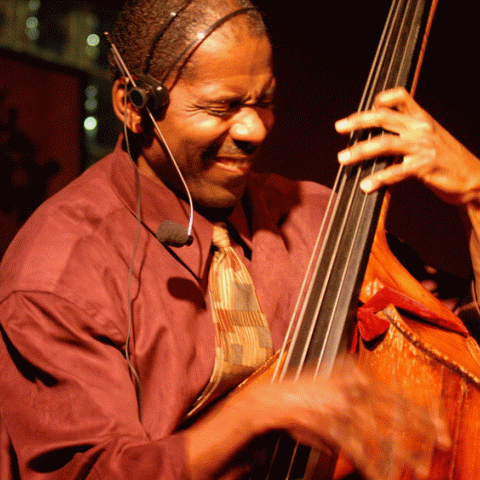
(173, 234)
(169, 233)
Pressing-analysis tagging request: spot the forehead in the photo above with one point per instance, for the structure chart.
(231, 52)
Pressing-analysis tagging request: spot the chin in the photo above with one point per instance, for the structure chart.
(220, 200)
(220, 194)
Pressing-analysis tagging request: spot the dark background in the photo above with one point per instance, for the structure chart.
(323, 52)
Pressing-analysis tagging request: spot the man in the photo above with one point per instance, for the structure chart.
(108, 337)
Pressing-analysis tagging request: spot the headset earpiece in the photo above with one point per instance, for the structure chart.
(148, 91)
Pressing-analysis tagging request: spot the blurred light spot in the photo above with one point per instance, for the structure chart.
(34, 5)
(91, 91)
(33, 33)
(93, 40)
(32, 22)
(90, 124)
(91, 104)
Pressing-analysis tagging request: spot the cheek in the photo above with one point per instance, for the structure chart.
(183, 128)
(199, 135)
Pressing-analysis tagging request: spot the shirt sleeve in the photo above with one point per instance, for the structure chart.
(68, 403)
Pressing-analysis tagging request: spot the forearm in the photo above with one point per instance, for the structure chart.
(213, 441)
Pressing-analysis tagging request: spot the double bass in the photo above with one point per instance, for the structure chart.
(403, 335)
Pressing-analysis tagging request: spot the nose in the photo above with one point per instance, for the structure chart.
(251, 124)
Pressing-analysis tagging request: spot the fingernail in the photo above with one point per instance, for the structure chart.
(366, 185)
(341, 124)
(344, 156)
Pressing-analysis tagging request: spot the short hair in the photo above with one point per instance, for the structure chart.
(140, 21)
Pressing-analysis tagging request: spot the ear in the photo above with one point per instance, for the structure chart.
(132, 115)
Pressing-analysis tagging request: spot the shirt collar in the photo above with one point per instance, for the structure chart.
(238, 222)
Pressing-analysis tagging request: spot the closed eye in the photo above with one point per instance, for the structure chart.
(224, 109)
(228, 109)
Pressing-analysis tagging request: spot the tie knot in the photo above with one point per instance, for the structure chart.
(220, 236)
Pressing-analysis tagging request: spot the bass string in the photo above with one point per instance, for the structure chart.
(395, 75)
(341, 189)
(318, 251)
(338, 190)
(374, 84)
(379, 59)
(392, 78)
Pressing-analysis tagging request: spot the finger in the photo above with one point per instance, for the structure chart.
(384, 178)
(386, 119)
(412, 166)
(380, 146)
(379, 118)
(393, 441)
(398, 99)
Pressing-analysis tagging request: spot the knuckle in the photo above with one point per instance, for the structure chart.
(385, 142)
(402, 92)
(428, 160)
(378, 116)
(394, 93)
(426, 127)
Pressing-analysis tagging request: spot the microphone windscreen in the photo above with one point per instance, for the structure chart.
(173, 234)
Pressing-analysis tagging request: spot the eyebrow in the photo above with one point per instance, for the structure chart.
(226, 97)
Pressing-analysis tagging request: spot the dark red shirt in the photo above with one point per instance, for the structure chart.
(70, 405)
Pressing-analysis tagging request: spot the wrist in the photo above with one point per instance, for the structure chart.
(214, 440)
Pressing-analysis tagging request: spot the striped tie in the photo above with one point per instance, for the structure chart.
(242, 336)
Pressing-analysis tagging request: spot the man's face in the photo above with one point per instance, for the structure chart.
(217, 118)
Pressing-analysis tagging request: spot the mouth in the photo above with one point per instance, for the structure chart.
(234, 164)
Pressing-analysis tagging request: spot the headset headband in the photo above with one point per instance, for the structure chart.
(160, 33)
(202, 36)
